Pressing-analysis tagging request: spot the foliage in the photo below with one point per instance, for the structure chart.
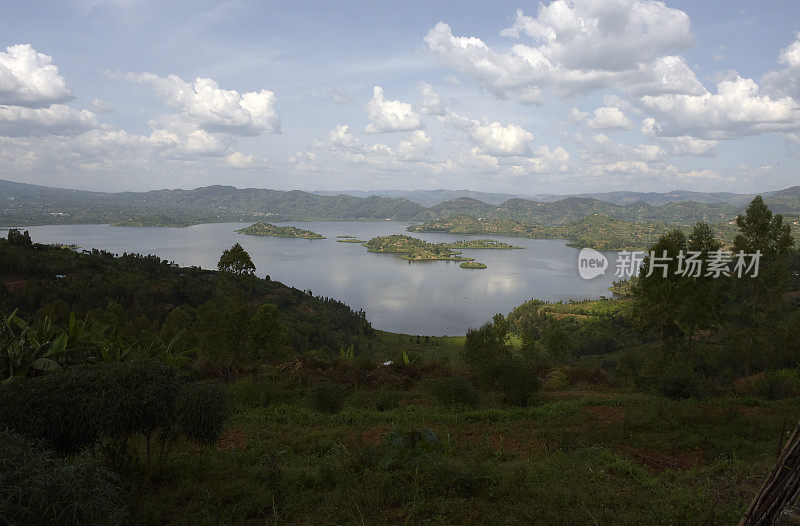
(201, 410)
(237, 261)
(38, 488)
(454, 390)
(679, 382)
(326, 397)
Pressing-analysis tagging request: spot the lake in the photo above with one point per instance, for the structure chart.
(428, 298)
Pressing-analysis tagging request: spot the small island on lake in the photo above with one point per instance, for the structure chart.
(263, 228)
(413, 249)
(472, 264)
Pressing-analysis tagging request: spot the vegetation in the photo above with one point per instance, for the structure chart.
(472, 265)
(413, 249)
(138, 392)
(268, 229)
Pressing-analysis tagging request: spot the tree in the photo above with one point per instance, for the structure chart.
(759, 298)
(660, 294)
(19, 239)
(236, 260)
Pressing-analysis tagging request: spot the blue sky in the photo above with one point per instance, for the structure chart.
(564, 96)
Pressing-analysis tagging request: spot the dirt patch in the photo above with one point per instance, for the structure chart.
(232, 439)
(605, 414)
(660, 461)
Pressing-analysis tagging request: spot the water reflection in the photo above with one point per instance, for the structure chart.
(420, 298)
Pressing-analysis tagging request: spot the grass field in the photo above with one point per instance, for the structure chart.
(393, 452)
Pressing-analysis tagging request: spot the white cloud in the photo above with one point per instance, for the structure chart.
(30, 79)
(786, 82)
(58, 119)
(390, 115)
(500, 140)
(736, 110)
(578, 46)
(214, 109)
(101, 106)
(605, 118)
(418, 147)
(432, 103)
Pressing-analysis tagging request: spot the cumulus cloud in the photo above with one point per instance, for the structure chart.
(390, 115)
(432, 103)
(736, 110)
(29, 78)
(417, 148)
(493, 138)
(578, 46)
(58, 119)
(214, 109)
(606, 118)
(786, 82)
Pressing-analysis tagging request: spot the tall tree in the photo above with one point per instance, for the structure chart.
(660, 291)
(760, 298)
(236, 260)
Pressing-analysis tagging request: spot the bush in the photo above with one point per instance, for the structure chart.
(387, 399)
(456, 390)
(72, 409)
(516, 380)
(680, 382)
(327, 397)
(775, 385)
(201, 410)
(38, 488)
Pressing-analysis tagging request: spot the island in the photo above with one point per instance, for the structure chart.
(472, 264)
(350, 239)
(481, 244)
(263, 228)
(413, 249)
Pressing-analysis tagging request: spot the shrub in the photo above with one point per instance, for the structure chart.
(777, 384)
(387, 399)
(38, 488)
(516, 380)
(455, 390)
(680, 382)
(556, 379)
(326, 397)
(201, 410)
(72, 409)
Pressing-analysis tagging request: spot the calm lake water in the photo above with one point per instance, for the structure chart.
(429, 298)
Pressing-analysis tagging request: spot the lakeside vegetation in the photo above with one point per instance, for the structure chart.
(268, 229)
(139, 392)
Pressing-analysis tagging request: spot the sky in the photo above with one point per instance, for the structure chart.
(558, 97)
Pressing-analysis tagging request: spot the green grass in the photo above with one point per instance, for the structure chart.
(611, 456)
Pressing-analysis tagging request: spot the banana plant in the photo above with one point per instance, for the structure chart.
(27, 350)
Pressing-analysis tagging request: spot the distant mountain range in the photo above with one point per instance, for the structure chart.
(25, 204)
(433, 197)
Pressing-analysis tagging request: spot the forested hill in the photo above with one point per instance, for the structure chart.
(143, 301)
(23, 204)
